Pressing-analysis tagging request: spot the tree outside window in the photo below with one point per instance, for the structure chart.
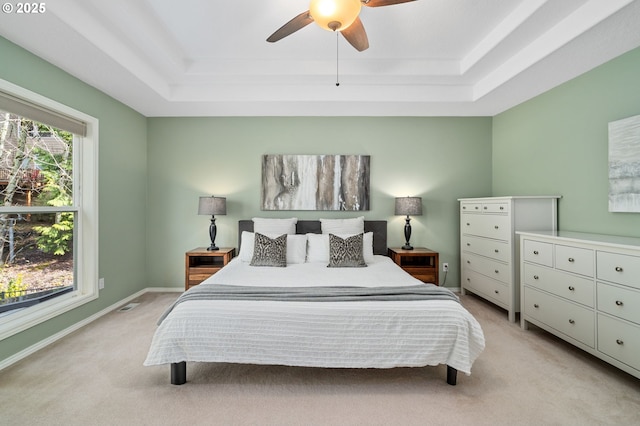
(36, 246)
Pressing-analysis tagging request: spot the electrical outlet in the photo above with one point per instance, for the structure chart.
(101, 283)
(445, 267)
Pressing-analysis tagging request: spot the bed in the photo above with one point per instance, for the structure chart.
(329, 317)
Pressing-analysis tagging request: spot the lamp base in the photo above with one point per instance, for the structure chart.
(407, 234)
(212, 234)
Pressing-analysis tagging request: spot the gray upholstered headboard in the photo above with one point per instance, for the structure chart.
(378, 227)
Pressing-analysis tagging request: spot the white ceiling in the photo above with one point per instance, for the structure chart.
(426, 58)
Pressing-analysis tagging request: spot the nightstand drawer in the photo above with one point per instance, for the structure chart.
(425, 278)
(201, 263)
(421, 263)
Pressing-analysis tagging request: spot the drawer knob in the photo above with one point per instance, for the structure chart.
(501, 207)
(496, 291)
(571, 321)
(536, 252)
(468, 244)
(485, 207)
(497, 251)
(497, 227)
(476, 207)
(572, 288)
(468, 262)
(618, 269)
(468, 224)
(496, 271)
(535, 305)
(619, 303)
(535, 277)
(571, 259)
(620, 342)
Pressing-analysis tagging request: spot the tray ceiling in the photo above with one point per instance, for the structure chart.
(426, 58)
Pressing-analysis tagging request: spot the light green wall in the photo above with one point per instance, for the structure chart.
(557, 143)
(122, 185)
(440, 159)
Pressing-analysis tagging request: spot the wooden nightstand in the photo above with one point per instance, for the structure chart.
(200, 264)
(420, 262)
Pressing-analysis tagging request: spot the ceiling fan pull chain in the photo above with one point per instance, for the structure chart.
(337, 60)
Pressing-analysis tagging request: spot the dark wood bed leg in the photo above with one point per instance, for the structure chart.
(452, 375)
(179, 373)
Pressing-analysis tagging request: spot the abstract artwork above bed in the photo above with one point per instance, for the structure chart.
(315, 182)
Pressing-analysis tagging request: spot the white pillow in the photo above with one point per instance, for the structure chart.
(268, 226)
(296, 247)
(318, 247)
(343, 226)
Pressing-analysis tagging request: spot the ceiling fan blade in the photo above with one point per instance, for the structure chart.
(291, 27)
(378, 3)
(356, 35)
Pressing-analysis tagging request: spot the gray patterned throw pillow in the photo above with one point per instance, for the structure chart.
(346, 253)
(269, 251)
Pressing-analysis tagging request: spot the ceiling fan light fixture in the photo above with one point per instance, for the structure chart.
(334, 15)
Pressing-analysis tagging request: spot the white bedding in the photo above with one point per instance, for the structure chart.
(366, 334)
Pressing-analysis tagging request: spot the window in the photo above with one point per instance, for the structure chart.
(48, 209)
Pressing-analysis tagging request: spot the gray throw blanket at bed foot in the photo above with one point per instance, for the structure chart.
(313, 294)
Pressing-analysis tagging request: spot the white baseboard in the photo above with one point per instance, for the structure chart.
(54, 338)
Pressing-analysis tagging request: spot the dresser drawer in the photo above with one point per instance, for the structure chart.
(494, 249)
(538, 252)
(470, 207)
(618, 268)
(486, 287)
(495, 208)
(491, 268)
(487, 225)
(568, 318)
(619, 301)
(574, 288)
(574, 259)
(619, 340)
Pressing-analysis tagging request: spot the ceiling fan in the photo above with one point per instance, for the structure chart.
(334, 15)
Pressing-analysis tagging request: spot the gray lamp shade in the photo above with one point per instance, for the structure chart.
(212, 205)
(411, 206)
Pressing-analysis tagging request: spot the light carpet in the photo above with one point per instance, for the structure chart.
(95, 377)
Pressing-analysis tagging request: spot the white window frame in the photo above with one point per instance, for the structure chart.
(85, 205)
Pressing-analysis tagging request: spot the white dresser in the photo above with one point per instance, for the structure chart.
(488, 245)
(585, 289)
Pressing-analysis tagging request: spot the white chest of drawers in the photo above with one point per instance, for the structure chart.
(488, 246)
(585, 288)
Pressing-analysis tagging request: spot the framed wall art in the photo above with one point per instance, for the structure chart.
(624, 165)
(315, 182)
